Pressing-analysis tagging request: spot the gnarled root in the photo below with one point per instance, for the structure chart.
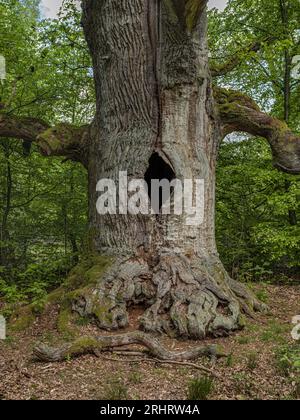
(246, 298)
(94, 345)
(190, 297)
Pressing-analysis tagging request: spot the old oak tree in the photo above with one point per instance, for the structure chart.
(159, 113)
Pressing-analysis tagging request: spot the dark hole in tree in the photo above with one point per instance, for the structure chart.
(158, 169)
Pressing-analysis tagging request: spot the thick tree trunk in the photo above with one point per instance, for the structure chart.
(155, 115)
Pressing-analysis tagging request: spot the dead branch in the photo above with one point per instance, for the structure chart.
(92, 345)
(171, 362)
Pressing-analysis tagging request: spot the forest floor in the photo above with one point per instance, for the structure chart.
(253, 369)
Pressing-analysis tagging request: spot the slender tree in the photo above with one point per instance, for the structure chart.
(158, 115)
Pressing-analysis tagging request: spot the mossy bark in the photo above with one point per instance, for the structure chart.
(85, 345)
(238, 112)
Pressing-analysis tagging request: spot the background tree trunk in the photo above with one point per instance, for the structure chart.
(155, 116)
(6, 251)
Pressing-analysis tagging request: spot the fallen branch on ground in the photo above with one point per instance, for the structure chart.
(170, 362)
(95, 345)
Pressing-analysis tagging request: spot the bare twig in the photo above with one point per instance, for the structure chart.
(171, 362)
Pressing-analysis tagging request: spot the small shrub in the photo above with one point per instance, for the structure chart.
(262, 295)
(287, 359)
(243, 384)
(32, 285)
(252, 361)
(135, 377)
(11, 293)
(200, 388)
(274, 332)
(243, 340)
(115, 390)
(82, 321)
(229, 360)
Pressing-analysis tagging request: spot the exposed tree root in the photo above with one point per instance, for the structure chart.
(246, 298)
(184, 297)
(95, 345)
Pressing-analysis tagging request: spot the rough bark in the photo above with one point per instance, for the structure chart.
(21, 128)
(154, 96)
(61, 140)
(66, 140)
